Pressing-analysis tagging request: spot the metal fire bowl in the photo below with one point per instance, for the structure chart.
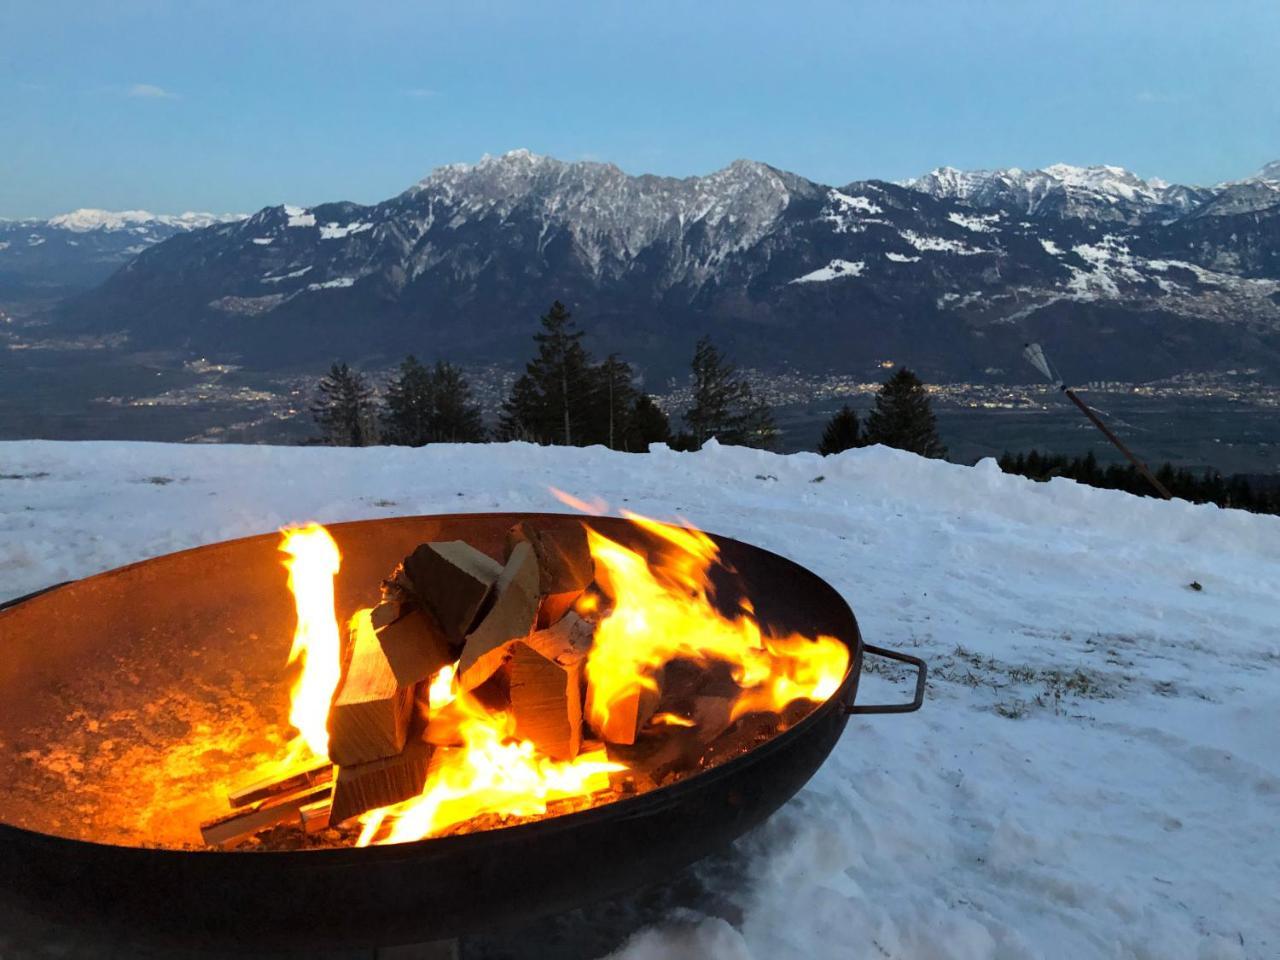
(131, 700)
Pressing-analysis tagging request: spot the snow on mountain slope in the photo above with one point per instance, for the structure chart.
(86, 219)
(1100, 192)
(83, 247)
(1093, 773)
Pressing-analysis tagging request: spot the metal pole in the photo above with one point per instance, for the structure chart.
(1106, 432)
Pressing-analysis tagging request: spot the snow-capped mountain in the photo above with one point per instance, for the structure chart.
(951, 272)
(83, 247)
(1104, 193)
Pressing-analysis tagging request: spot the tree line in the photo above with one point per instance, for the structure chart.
(1209, 487)
(566, 397)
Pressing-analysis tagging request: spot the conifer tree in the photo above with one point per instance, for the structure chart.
(724, 405)
(842, 432)
(551, 401)
(409, 406)
(903, 417)
(646, 424)
(343, 408)
(611, 408)
(455, 417)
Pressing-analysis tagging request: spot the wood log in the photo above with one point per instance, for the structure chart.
(545, 684)
(555, 606)
(314, 817)
(309, 774)
(627, 713)
(564, 555)
(370, 715)
(415, 646)
(364, 786)
(248, 820)
(452, 580)
(387, 612)
(511, 617)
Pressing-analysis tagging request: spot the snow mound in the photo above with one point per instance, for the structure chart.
(1094, 772)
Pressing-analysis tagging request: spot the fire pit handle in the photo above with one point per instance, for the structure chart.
(922, 673)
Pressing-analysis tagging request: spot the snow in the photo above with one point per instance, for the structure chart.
(1051, 248)
(263, 241)
(299, 217)
(976, 223)
(1094, 773)
(332, 231)
(86, 219)
(335, 284)
(288, 276)
(832, 271)
(939, 244)
(849, 214)
(900, 257)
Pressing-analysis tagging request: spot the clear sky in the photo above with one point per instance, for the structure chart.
(233, 105)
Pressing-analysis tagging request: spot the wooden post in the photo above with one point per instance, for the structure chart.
(1106, 432)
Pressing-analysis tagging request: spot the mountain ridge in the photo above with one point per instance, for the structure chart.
(785, 270)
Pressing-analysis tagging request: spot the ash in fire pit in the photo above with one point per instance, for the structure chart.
(480, 692)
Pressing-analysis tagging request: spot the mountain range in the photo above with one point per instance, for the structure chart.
(78, 250)
(1121, 278)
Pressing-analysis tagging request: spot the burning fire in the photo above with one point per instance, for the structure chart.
(663, 612)
(657, 609)
(491, 772)
(313, 563)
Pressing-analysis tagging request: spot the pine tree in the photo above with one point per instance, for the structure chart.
(344, 408)
(903, 418)
(409, 406)
(455, 417)
(646, 424)
(550, 403)
(612, 403)
(842, 432)
(724, 405)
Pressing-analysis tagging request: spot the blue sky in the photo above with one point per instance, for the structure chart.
(234, 105)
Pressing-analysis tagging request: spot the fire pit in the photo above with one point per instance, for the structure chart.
(133, 702)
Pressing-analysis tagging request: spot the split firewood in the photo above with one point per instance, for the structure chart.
(364, 786)
(627, 712)
(415, 646)
(545, 683)
(388, 612)
(298, 777)
(510, 617)
(314, 817)
(564, 556)
(453, 580)
(555, 606)
(258, 816)
(370, 715)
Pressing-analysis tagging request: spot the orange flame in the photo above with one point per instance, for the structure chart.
(491, 772)
(662, 612)
(313, 562)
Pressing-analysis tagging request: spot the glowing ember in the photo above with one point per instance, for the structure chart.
(313, 562)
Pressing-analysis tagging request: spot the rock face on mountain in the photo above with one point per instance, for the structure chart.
(951, 272)
(77, 250)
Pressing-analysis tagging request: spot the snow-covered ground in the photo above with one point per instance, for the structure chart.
(1095, 772)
